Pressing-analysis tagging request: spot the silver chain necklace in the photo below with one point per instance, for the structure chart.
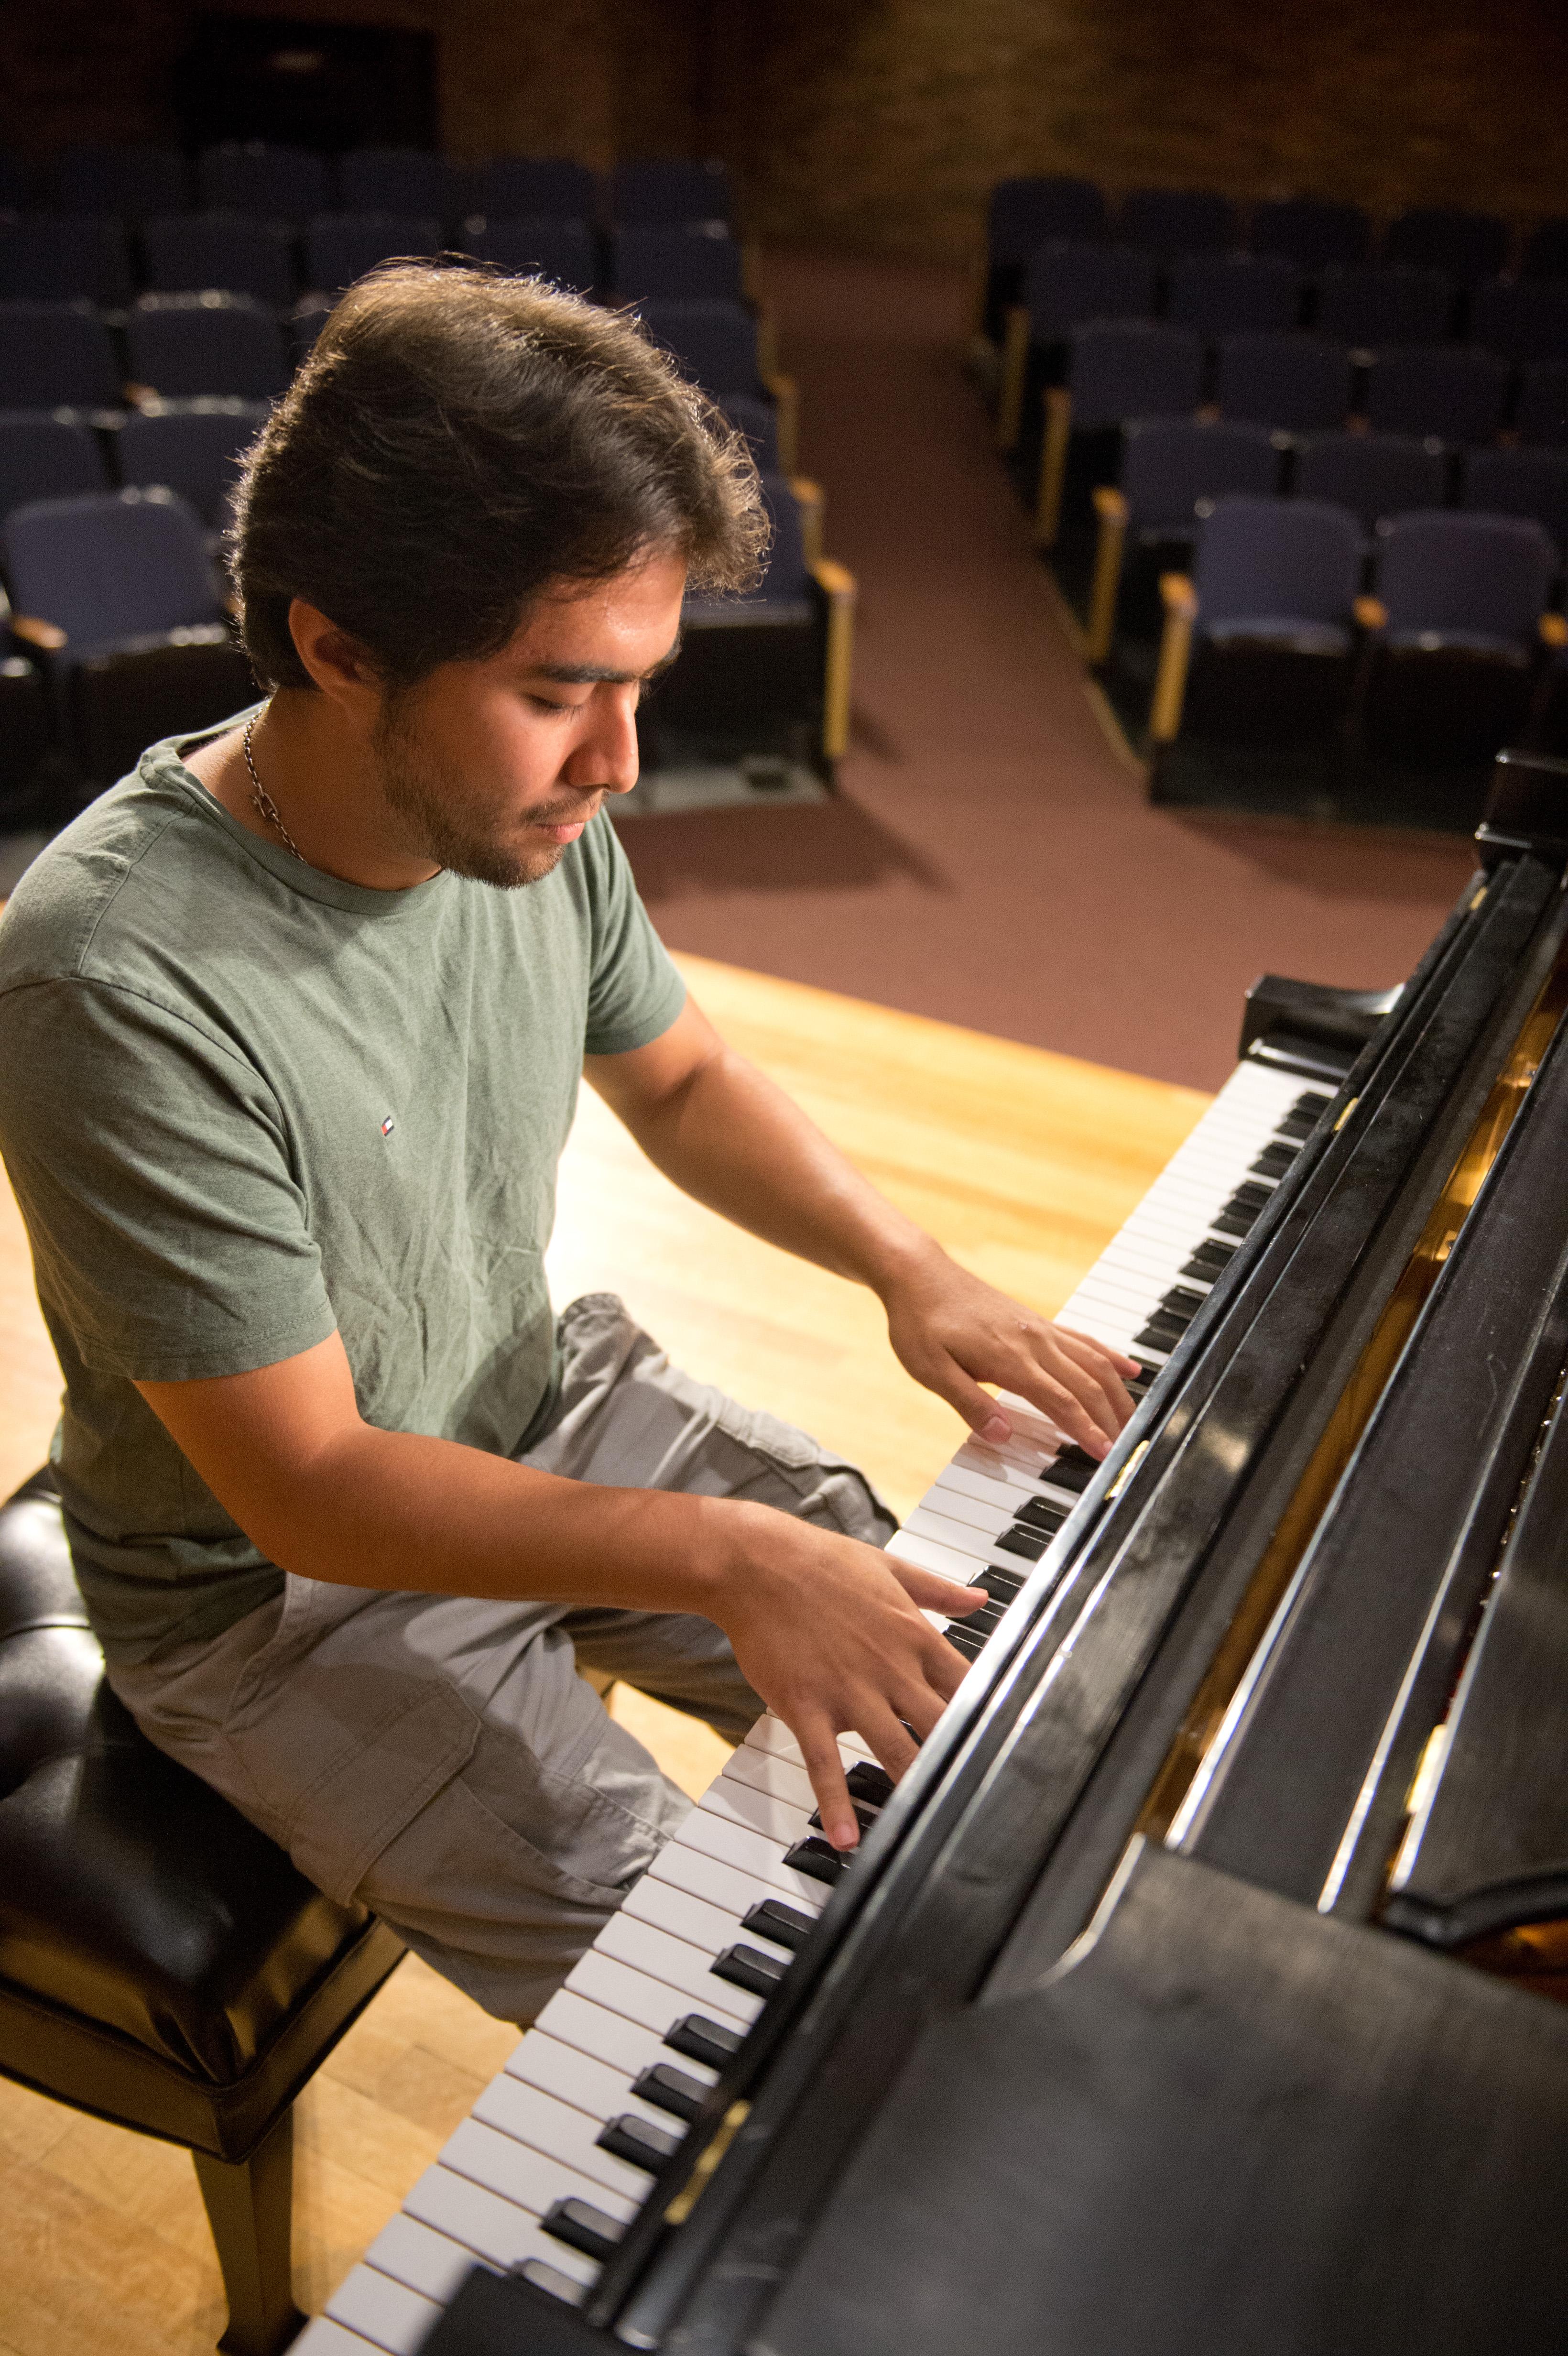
(262, 800)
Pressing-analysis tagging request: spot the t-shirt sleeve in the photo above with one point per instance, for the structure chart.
(152, 1166)
(634, 992)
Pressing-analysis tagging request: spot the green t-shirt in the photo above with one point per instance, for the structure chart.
(243, 1103)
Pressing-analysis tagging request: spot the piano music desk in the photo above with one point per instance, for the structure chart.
(1022, 1164)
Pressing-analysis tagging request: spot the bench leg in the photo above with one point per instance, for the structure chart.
(248, 2207)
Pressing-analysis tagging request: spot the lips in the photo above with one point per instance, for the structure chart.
(565, 833)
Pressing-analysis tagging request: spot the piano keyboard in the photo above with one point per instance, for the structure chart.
(558, 2151)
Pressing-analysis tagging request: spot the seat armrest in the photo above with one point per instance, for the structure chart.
(1054, 444)
(1179, 599)
(38, 633)
(1015, 368)
(1110, 516)
(1110, 504)
(808, 499)
(836, 584)
(1553, 628)
(1178, 596)
(1371, 614)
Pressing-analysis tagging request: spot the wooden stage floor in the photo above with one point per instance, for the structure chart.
(1023, 1163)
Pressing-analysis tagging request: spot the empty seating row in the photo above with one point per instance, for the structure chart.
(279, 183)
(189, 446)
(67, 256)
(1273, 637)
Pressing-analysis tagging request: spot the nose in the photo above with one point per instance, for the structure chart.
(606, 758)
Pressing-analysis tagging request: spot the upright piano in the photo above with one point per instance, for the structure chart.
(1194, 1992)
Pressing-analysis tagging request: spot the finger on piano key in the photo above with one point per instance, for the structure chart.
(387, 2313)
(679, 1965)
(562, 2131)
(722, 1885)
(750, 1851)
(494, 2229)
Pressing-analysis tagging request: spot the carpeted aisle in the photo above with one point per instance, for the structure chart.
(991, 861)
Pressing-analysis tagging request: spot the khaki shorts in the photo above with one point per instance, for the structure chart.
(439, 1758)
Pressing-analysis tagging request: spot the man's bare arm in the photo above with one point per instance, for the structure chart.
(827, 1631)
(726, 1135)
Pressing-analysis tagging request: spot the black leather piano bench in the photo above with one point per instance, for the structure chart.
(162, 1964)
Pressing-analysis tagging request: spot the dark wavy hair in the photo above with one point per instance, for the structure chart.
(456, 441)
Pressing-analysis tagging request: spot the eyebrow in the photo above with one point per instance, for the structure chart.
(596, 675)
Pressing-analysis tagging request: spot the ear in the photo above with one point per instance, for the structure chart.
(336, 662)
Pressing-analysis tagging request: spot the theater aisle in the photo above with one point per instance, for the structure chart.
(1024, 1163)
(992, 861)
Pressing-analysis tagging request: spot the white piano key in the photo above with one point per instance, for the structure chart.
(771, 1733)
(422, 2258)
(609, 2037)
(724, 1886)
(984, 1512)
(759, 1811)
(752, 1852)
(681, 1965)
(384, 2312)
(770, 1771)
(322, 2337)
(560, 2131)
(620, 1987)
(932, 1554)
(521, 2173)
(569, 2075)
(708, 1927)
(492, 2228)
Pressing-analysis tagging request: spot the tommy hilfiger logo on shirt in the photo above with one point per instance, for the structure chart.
(388, 1126)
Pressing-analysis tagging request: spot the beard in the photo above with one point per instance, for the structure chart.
(453, 826)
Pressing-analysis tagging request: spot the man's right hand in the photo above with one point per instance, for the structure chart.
(831, 1634)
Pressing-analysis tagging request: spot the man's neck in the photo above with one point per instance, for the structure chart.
(324, 786)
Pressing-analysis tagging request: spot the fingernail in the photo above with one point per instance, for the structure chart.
(996, 1431)
(845, 1837)
(1099, 1447)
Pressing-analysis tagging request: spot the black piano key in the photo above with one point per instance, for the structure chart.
(1146, 1373)
(1275, 1159)
(1249, 1197)
(867, 1781)
(1210, 1261)
(1040, 1514)
(773, 1919)
(638, 2141)
(701, 2040)
(1163, 1331)
(962, 1640)
(1182, 1301)
(582, 2227)
(748, 1967)
(671, 2090)
(1072, 1469)
(552, 2280)
(999, 1585)
(864, 1818)
(1029, 1544)
(1234, 1222)
(984, 1622)
(818, 1858)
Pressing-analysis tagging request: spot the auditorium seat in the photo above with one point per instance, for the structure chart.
(1259, 644)
(183, 346)
(1173, 469)
(1296, 383)
(47, 454)
(565, 251)
(117, 591)
(1365, 309)
(1541, 412)
(1524, 319)
(1312, 233)
(1374, 475)
(1064, 286)
(758, 421)
(130, 182)
(1022, 215)
(1234, 294)
(692, 261)
(537, 187)
(716, 345)
(339, 248)
(1468, 246)
(667, 190)
(407, 180)
(27, 742)
(162, 1964)
(1116, 370)
(1545, 251)
(1458, 643)
(284, 184)
(1449, 393)
(1168, 221)
(64, 258)
(185, 253)
(1532, 483)
(56, 355)
(192, 446)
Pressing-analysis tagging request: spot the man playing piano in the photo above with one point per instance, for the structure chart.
(294, 1021)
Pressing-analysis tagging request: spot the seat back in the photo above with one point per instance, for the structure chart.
(64, 258)
(668, 190)
(1178, 221)
(341, 247)
(1532, 483)
(1541, 414)
(1172, 469)
(1296, 383)
(56, 355)
(694, 261)
(186, 252)
(1226, 294)
(1388, 304)
(1027, 213)
(1451, 392)
(406, 180)
(537, 187)
(1524, 319)
(1545, 251)
(1373, 474)
(1467, 575)
(1468, 246)
(271, 183)
(1277, 560)
(130, 181)
(193, 447)
(185, 345)
(1120, 368)
(111, 565)
(715, 343)
(1066, 287)
(46, 454)
(544, 247)
(758, 421)
(1310, 231)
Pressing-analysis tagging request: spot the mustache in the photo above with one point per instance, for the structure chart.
(568, 812)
